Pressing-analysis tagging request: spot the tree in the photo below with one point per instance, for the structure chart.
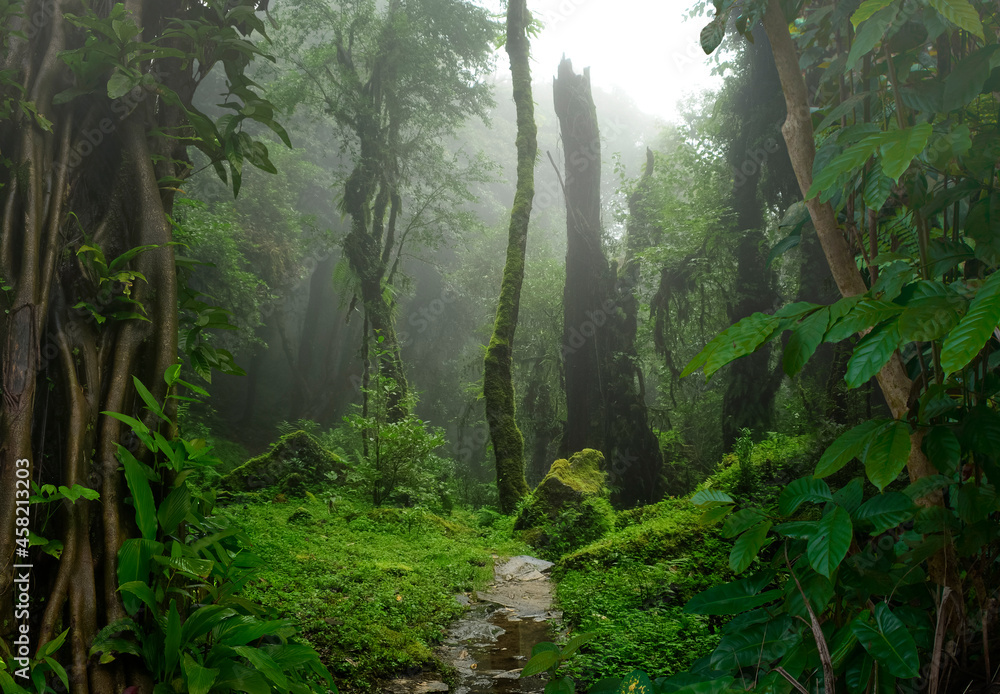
(97, 116)
(498, 386)
(900, 193)
(396, 80)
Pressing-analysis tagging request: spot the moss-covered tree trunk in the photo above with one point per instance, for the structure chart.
(585, 296)
(498, 386)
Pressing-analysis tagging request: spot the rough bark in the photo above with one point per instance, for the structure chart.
(798, 134)
(498, 387)
(94, 178)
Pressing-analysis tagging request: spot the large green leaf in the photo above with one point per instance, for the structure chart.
(943, 449)
(848, 162)
(889, 642)
(142, 495)
(712, 35)
(928, 318)
(899, 147)
(849, 445)
(828, 547)
(870, 32)
(976, 502)
(734, 342)
(734, 597)
(748, 546)
(740, 521)
(709, 498)
(818, 589)
(636, 682)
(886, 511)
(872, 353)
(760, 643)
(199, 679)
(806, 337)
(867, 9)
(800, 491)
(172, 637)
(540, 662)
(850, 495)
(862, 314)
(967, 338)
(174, 509)
(887, 454)
(148, 398)
(962, 14)
(203, 619)
(264, 664)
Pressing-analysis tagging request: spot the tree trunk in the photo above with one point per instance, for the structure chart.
(585, 311)
(498, 387)
(892, 379)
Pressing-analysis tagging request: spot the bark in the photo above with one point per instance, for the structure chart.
(90, 179)
(498, 386)
(892, 379)
(585, 314)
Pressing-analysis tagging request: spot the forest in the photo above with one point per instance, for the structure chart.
(354, 346)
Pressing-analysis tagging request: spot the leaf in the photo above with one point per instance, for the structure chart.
(872, 353)
(968, 77)
(712, 35)
(850, 495)
(560, 685)
(869, 33)
(800, 491)
(740, 521)
(142, 495)
(878, 187)
(886, 511)
(540, 663)
(818, 589)
(579, 640)
(760, 643)
(928, 318)
(806, 337)
(121, 83)
(889, 642)
(945, 254)
(748, 546)
(734, 342)
(172, 637)
(636, 682)
(148, 398)
(943, 449)
(899, 147)
(196, 567)
(715, 514)
(968, 337)
(867, 9)
(733, 597)
(204, 619)
(263, 663)
(802, 530)
(141, 590)
(976, 502)
(716, 686)
(887, 454)
(849, 445)
(962, 14)
(174, 509)
(783, 246)
(828, 547)
(863, 314)
(199, 679)
(709, 498)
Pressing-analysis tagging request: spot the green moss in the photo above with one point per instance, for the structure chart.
(296, 462)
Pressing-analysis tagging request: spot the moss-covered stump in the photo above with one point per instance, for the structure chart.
(295, 463)
(569, 508)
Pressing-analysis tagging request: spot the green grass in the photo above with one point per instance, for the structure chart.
(371, 588)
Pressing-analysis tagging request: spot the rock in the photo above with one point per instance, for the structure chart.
(430, 687)
(569, 508)
(521, 565)
(300, 515)
(295, 463)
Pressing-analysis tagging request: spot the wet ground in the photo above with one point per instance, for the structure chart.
(489, 645)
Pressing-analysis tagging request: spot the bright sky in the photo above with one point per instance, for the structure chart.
(648, 48)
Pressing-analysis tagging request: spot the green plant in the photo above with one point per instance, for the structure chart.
(743, 449)
(548, 657)
(180, 582)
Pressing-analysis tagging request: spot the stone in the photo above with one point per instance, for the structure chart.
(295, 463)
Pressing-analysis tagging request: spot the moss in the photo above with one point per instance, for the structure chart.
(295, 462)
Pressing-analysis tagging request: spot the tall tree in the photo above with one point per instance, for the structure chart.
(587, 272)
(96, 120)
(498, 386)
(396, 79)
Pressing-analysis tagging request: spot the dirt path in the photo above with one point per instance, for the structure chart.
(492, 641)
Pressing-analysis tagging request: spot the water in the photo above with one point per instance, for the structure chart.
(498, 643)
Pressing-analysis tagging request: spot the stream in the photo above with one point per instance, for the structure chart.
(491, 642)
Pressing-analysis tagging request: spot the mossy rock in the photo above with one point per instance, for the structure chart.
(295, 463)
(569, 507)
(567, 483)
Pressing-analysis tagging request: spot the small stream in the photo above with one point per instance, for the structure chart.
(490, 644)
(498, 643)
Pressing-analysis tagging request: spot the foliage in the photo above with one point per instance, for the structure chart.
(180, 581)
(548, 657)
(372, 588)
